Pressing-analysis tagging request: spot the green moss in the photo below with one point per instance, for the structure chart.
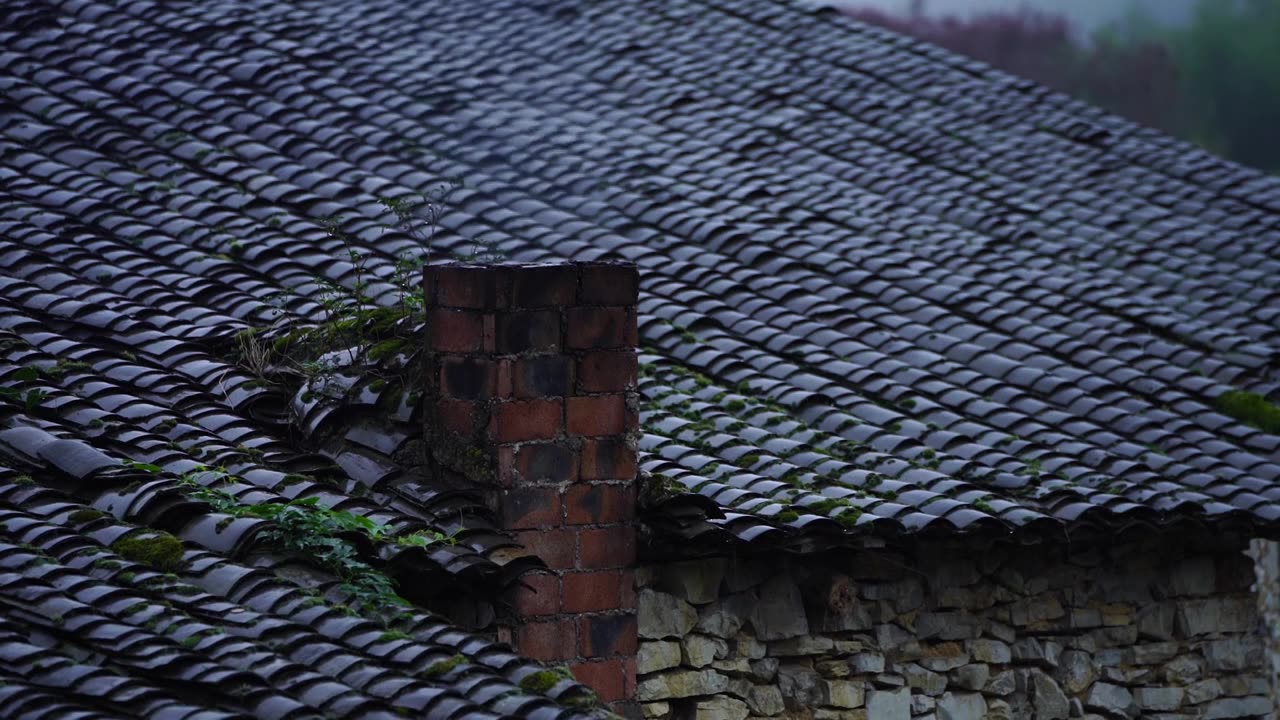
(823, 506)
(787, 516)
(1251, 409)
(84, 515)
(581, 700)
(849, 517)
(444, 666)
(160, 550)
(24, 480)
(385, 349)
(390, 635)
(540, 681)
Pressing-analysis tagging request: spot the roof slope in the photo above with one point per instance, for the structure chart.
(885, 289)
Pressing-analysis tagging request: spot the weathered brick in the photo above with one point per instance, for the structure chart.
(597, 415)
(603, 548)
(552, 640)
(605, 635)
(557, 548)
(546, 462)
(607, 459)
(592, 591)
(538, 594)
(520, 420)
(456, 416)
(601, 327)
(627, 590)
(607, 371)
(454, 330)
(593, 503)
(534, 330)
(530, 507)
(544, 286)
(608, 678)
(542, 376)
(609, 284)
(460, 286)
(469, 378)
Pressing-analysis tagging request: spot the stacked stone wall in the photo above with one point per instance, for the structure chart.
(1153, 628)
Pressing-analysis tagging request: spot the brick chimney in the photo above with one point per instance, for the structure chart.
(531, 395)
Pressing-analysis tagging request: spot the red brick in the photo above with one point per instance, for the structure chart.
(605, 635)
(554, 640)
(609, 284)
(556, 548)
(538, 595)
(599, 504)
(530, 507)
(508, 476)
(629, 675)
(489, 333)
(608, 678)
(592, 591)
(454, 331)
(471, 378)
(535, 330)
(546, 462)
(520, 420)
(605, 548)
(601, 327)
(607, 371)
(544, 286)
(460, 286)
(597, 415)
(608, 459)
(543, 376)
(457, 416)
(503, 387)
(627, 590)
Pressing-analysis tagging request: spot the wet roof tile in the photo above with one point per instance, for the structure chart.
(870, 302)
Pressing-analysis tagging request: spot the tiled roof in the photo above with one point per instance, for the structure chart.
(884, 289)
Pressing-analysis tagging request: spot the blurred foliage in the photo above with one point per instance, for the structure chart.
(1214, 81)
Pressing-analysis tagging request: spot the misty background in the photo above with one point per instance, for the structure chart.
(1207, 71)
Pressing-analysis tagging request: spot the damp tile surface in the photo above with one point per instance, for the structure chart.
(885, 291)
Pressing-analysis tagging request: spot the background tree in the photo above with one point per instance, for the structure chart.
(1214, 81)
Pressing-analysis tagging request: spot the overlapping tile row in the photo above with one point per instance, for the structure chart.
(86, 628)
(884, 288)
(180, 408)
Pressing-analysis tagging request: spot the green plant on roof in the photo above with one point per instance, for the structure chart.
(443, 666)
(84, 515)
(849, 516)
(426, 538)
(156, 548)
(543, 680)
(1251, 409)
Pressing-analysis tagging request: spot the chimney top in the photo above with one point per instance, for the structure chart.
(531, 398)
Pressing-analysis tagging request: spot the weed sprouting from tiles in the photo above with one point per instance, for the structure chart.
(356, 331)
(441, 667)
(158, 549)
(1251, 409)
(320, 534)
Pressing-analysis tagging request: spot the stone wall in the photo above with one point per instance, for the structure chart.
(1143, 627)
